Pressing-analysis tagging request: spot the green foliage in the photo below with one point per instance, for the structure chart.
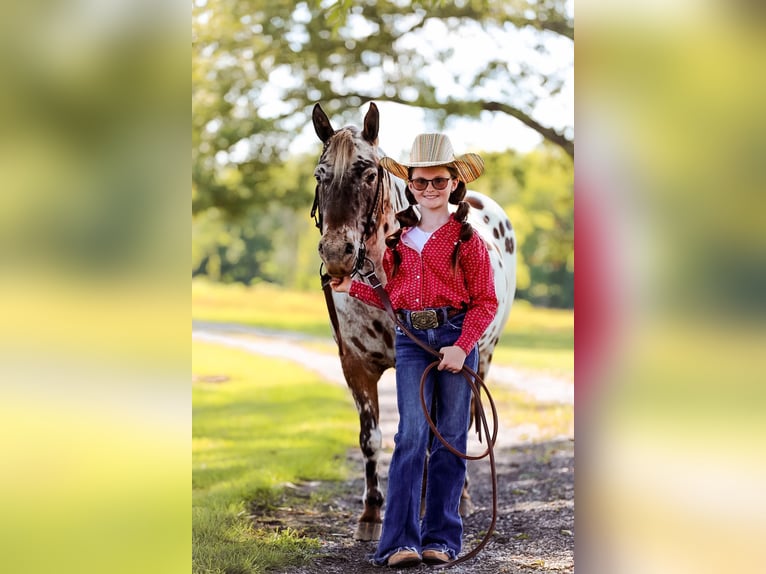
(258, 67)
(537, 192)
(275, 243)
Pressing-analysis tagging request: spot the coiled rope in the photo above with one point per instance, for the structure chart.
(476, 384)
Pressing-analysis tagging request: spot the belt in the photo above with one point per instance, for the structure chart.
(427, 318)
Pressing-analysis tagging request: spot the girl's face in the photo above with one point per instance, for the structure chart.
(425, 184)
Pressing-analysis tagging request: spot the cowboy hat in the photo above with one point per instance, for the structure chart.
(430, 150)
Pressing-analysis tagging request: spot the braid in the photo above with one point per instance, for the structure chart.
(392, 242)
(466, 230)
(456, 197)
(406, 218)
(461, 213)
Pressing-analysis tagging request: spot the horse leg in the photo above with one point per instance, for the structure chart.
(363, 385)
(467, 507)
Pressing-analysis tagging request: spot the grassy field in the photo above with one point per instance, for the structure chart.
(258, 424)
(534, 338)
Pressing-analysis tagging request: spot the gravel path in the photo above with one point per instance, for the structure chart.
(535, 523)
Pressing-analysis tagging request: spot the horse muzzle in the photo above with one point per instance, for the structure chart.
(339, 257)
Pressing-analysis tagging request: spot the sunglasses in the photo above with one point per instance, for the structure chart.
(438, 183)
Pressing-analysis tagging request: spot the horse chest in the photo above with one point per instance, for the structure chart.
(367, 332)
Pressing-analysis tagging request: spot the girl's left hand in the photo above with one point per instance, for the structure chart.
(452, 359)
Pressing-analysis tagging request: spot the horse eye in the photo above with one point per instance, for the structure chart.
(370, 177)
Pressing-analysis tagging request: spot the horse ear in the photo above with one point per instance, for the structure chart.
(371, 125)
(322, 125)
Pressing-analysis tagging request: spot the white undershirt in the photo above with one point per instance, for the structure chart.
(416, 238)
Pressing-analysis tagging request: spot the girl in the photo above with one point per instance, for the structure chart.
(441, 285)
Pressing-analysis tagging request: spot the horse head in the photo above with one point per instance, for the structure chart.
(349, 191)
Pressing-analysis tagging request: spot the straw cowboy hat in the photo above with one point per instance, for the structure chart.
(430, 150)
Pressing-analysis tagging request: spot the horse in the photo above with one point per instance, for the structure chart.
(355, 204)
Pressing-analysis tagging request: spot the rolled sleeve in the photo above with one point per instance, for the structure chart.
(480, 282)
(365, 293)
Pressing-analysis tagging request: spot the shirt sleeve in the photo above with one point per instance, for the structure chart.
(480, 281)
(365, 293)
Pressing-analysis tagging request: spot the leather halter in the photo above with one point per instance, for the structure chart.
(369, 224)
(359, 261)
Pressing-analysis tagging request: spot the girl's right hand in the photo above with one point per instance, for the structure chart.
(453, 358)
(340, 285)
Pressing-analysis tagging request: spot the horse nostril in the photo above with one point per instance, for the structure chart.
(349, 248)
(321, 248)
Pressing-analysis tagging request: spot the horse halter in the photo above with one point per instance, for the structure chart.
(369, 225)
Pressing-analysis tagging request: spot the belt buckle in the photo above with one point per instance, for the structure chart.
(424, 319)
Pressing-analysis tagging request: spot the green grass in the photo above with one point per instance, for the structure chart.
(547, 421)
(538, 339)
(534, 338)
(264, 306)
(267, 423)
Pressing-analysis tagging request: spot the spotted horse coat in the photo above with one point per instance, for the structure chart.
(355, 206)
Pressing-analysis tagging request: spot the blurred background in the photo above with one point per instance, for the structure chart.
(671, 246)
(94, 298)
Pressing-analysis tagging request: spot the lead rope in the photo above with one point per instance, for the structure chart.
(476, 384)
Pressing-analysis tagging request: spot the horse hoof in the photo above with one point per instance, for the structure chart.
(368, 531)
(467, 507)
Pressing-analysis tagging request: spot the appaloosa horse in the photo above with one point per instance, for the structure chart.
(354, 207)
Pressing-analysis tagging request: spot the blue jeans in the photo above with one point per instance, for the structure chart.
(441, 527)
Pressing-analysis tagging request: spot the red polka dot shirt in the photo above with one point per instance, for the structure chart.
(426, 280)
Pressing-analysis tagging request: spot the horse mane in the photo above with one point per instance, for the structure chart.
(396, 187)
(341, 154)
(342, 150)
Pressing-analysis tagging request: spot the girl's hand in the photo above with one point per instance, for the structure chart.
(452, 359)
(340, 285)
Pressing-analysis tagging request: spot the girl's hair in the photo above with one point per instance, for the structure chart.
(409, 218)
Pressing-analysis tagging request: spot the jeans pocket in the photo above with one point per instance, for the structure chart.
(456, 322)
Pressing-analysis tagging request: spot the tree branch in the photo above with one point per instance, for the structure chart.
(469, 109)
(548, 133)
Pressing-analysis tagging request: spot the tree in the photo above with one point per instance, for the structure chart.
(258, 67)
(536, 190)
